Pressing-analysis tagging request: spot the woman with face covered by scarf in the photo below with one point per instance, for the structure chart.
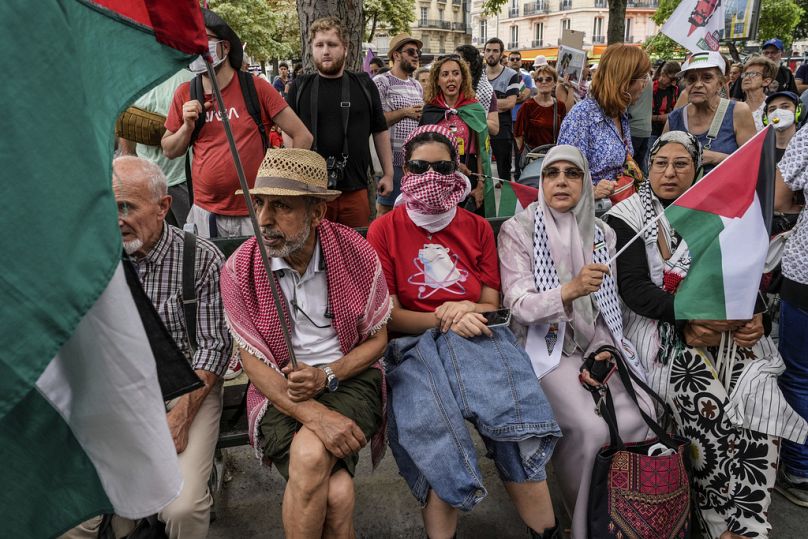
(719, 377)
(564, 305)
(442, 272)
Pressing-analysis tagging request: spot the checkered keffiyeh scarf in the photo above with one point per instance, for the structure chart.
(358, 297)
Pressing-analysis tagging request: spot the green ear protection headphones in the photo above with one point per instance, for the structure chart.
(797, 114)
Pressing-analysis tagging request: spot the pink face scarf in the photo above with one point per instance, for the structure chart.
(431, 198)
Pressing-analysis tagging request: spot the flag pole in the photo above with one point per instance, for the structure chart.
(637, 235)
(253, 218)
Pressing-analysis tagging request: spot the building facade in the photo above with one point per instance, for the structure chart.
(535, 27)
(442, 25)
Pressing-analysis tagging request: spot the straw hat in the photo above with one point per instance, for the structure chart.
(293, 172)
(402, 39)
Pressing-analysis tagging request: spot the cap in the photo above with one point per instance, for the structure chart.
(791, 95)
(539, 61)
(774, 42)
(703, 60)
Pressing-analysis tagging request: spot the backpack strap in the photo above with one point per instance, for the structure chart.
(198, 93)
(250, 95)
(189, 300)
(718, 119)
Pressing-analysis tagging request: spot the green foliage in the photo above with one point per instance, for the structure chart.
(492, 7)
(393, 15)
(801, 30)
(268, 27)
(665, 9)
(779, 18)
(662, 47)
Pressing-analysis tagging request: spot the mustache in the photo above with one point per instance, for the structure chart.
(272, 234)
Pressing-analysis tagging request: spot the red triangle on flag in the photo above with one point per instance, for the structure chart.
(525, 194)
(729, 188)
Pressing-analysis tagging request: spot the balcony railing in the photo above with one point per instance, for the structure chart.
(433, 23)
(564, 5)
(459, 26)
(600, 3)
(537, 43)
(598, 40)
(513, 45)
(457, 2)
(536, 7)
(646, 4)
(513, 12)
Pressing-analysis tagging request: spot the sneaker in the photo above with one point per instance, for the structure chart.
(795, 492)
(234, 369)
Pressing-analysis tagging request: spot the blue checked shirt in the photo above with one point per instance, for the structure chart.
(160, 272)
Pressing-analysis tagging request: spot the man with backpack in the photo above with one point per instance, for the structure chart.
(343, 109)
(252, 107)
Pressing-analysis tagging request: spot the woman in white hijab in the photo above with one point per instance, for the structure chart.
(564, 306)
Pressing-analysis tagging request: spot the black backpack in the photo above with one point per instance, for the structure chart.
(250, 95)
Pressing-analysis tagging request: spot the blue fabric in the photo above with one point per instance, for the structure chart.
(389, 200)
(437, 381)
(588, 128)
(794, 381)
(725, 141)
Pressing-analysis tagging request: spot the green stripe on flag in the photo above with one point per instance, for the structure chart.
(507, 201)
(40, 449)
(61, 239)
(701, 295)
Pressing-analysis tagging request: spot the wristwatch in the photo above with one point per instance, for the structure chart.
(331, 380)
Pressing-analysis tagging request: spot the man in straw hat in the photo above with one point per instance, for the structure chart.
(310, 421)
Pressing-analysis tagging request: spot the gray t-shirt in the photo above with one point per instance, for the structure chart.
(640, 113)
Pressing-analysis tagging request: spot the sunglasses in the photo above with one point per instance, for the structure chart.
(415, 53)
(570, 173)
(419, 166)
(449, 57)
(514, 59)
(542, 80)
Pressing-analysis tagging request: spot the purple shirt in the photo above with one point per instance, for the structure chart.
(588, 128)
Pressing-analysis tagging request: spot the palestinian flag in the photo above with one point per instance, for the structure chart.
(506, 199)
(82, 420)
(723, 218)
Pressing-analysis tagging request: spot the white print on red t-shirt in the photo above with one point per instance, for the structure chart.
(438, 269)
(232, 113)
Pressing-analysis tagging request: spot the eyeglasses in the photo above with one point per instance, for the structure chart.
(514, 59)
(415, 53)
(542, 80)
(679, 165)
(328, 314)
(419, 166)
(751, 74)
(553, 173)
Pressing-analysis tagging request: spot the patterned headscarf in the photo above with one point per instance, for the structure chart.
(432, 193)
(689, 141)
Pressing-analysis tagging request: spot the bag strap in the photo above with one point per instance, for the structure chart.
(189, 300)
(314, 108)
(345, 108)
(555, 119)
(250, 94)
(718, 119)
(198, 93)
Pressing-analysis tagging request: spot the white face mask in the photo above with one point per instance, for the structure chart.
(781, 119)
(198, 65)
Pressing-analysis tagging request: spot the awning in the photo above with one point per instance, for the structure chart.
(551, 53)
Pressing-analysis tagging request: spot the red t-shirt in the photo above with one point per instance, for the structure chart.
(425, 270)
(534, 122)
(213, 170)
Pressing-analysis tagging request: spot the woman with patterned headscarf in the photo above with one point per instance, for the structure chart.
(718, 376)
(563, 299)
(447, 366)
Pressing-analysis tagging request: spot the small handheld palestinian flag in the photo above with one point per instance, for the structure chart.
(725, 219)
(512, 197)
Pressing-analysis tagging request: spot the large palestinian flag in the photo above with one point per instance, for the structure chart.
(82, 421)
(723, 218)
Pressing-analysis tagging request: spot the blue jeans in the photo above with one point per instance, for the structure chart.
(390, 200)
(437, 381)
(794, 381)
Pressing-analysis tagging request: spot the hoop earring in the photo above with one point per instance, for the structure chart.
(628, 96)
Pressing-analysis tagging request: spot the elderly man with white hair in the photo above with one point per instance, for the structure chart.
(156, 250)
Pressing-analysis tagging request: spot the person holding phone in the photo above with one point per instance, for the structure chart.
(444, 368)
(563, 298)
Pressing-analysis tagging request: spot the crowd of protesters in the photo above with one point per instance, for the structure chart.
(383, 329)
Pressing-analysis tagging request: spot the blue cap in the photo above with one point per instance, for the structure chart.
(791, 95)
(774, 41)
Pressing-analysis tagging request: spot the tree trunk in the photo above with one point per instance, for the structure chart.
(352, 15)
(375, 19)
(616, 32)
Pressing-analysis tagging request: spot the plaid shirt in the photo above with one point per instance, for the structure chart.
(160, 273)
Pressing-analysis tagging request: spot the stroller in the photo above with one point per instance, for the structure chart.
(530, 164)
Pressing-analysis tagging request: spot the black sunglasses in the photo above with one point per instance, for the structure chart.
(449, 57)
(415, 53)
(419, 166)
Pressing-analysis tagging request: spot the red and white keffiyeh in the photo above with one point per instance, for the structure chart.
(357, 295)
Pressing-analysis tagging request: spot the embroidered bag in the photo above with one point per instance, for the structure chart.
(638, 490)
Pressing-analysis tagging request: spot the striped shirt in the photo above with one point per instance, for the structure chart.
(398, 94)
(160, 272)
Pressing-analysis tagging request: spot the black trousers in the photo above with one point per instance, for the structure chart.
(502, 149)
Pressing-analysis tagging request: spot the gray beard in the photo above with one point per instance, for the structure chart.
(293, 244)
(131, 247)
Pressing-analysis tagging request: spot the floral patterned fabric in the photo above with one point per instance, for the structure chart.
(588, 128)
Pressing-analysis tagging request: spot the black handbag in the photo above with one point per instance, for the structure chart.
(634, 492)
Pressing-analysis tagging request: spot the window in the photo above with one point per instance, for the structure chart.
(565, 24)
(598, 27)
(514, 34)
(539, 35)
(483, 30)
(424, 13)
(629, 34)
